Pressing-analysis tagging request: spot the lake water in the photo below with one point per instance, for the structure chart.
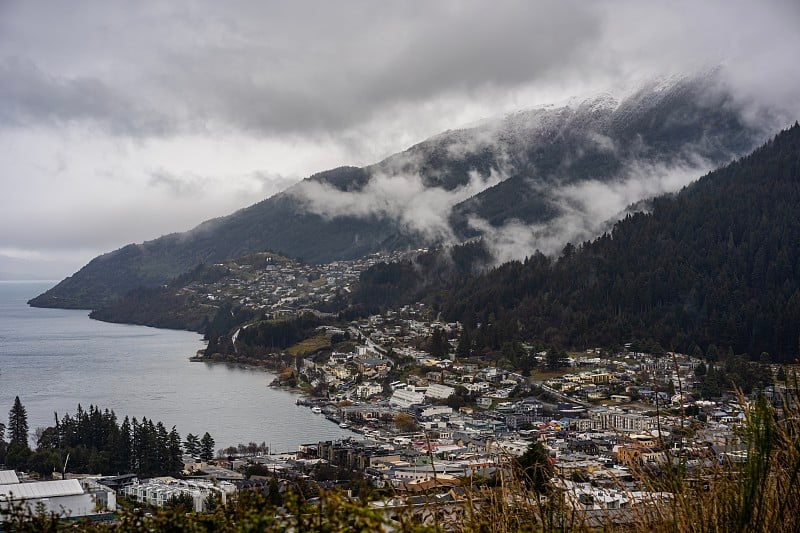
(54, 359)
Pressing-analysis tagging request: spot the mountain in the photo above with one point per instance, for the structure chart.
(456, 185)
(672, 123)
(713, 269)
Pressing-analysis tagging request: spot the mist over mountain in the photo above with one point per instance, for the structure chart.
(713, 269)
(531, 180)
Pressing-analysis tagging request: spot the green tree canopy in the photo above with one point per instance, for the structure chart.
(192, 445)
(536, 467)
(207, 447)
(18, 423)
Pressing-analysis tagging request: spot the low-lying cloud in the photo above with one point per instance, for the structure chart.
(402, 198)
(586, 209)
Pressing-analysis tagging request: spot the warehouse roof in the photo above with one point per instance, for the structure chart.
(8, 477)
(40, 489)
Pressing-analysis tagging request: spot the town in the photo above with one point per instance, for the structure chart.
(429, 415)
(279, 286)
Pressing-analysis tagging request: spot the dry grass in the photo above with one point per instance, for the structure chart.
(309, 346)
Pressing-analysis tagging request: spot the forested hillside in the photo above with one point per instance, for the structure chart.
(458, 184)
(716, 266)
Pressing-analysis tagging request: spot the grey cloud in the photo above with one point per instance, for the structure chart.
(45, 266)
(587, 208)
(253, 186)
(403, 198)
(314, 67)
(29, 96)
(381, 58)
(364, 77)
(501, 44)
(178, 185)
(272, 183)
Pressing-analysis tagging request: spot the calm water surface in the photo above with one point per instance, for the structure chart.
(54, 359)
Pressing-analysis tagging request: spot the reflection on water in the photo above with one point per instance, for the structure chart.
(54, 359)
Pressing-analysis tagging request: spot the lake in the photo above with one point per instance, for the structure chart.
(54, 359)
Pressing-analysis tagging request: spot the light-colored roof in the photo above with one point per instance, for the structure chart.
(41, 489)
(8, 477)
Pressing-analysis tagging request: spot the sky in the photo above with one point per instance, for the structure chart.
(124, 121)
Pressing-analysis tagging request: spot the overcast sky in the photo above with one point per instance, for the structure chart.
(122, 121)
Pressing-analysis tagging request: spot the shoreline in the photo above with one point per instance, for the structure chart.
(304, 398)
(141, 371)
(250, 364)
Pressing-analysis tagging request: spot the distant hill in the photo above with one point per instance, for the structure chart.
(714, 270)
(497, 172)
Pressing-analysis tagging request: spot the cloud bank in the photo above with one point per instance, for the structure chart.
(586, 209)
(230, 102)
(402, 198)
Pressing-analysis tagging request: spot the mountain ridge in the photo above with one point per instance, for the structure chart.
(488, 173)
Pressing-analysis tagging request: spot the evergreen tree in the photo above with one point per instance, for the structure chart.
(207, 447)
(274, 495)
(711, 387)
(96, 443)
(44, 463)
(136, 444)
(175, 452)
(192, 445)
(700, 370)
(697, 352)
(18, 451)
(439, 347)
(556, 358)
(123, 453)
(3, 445)
(163, 455)
(536, 466)
(18, 424)
(712, 353)
(464, 347)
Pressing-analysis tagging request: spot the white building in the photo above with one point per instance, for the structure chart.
(159, 491)
(479, 386)
(366, 390)
(620, 421)
(436, 410)
(513, 447)
(405, 398)
(65, 498)
(439, 392)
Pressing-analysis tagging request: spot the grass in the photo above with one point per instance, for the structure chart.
(309, 346)
(545, 374)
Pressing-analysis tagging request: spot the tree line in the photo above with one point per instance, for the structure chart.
(94, 441)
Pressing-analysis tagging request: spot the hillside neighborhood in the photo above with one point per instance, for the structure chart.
(430, 415)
